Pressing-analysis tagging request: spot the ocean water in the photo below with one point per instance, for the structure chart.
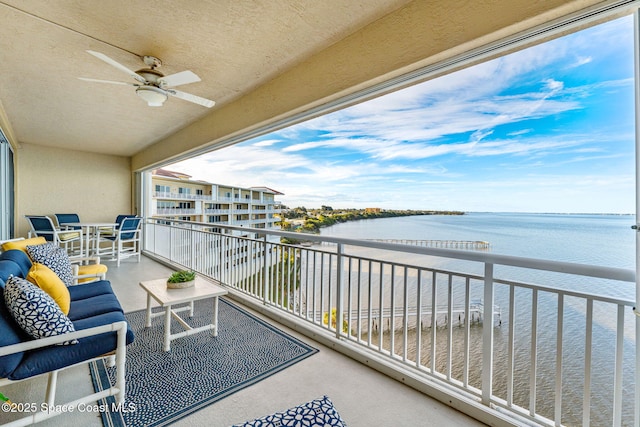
(590, 239)
(603, 240)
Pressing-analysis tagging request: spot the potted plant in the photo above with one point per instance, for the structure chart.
(181, 279)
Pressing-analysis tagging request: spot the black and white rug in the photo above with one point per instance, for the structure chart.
(162, 387)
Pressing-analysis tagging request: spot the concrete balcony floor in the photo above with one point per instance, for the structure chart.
(362, 396)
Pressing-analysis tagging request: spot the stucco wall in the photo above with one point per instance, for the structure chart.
(50, 180)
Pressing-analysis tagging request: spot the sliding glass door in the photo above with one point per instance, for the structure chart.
(6, 189)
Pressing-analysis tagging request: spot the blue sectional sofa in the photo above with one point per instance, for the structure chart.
(100, 329)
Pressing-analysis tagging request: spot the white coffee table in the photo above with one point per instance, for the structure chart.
(202, 289)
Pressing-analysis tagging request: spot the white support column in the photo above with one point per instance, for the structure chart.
(487, 336)
(340, 292)
(636, 27)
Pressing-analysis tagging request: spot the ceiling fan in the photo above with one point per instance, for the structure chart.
(153, 86)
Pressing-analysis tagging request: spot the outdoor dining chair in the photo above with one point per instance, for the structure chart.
(111, 231)
(43, 226)
(124, 242)
(67, 218)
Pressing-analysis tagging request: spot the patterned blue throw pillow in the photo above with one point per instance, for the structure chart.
(35, 311)
(54, 257)
(317, 413)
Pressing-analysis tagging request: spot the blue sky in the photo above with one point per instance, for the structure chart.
(546, 129)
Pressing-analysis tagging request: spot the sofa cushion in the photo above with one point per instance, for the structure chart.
(55, 258)
(22, 244)
(88, 307)
(34, 310)
(19, 257)
(55, 357)
(10, 333)
(9, 268)
(44, 278)
(80, 292)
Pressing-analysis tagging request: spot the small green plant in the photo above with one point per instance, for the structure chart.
(182, 276)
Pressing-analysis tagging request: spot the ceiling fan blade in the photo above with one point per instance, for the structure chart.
(108, 81)
(177, 79)
(191, 98)
(118, 65)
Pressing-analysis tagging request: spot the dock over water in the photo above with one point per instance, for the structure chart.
(449, 244)
(372, 318)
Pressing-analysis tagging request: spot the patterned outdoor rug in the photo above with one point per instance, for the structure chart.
(200, 369)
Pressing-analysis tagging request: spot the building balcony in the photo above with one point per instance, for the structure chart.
(217, 211)
(180, 196)
(178, 211)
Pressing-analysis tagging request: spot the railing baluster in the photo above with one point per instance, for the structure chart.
(586, 404)
(287, 268)
(392, 302)
(380, 308)
(339, 291)
(370, 305)
(467, 332)
(559, 358)
(265, 270)
(322, 287)
(405, 315)
(487, 336)
(434, 320)
(533, 355)
(449, 325)
(330, 291)
(297, 280)
(617, 381)
(359, 302)
(349, 295)
(419, 318)
(313, 311)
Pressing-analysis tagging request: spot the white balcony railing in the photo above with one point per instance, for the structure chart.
(548, 353)
(177, 211)
(181, 196)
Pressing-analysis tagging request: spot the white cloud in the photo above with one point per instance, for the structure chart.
(428, 146)
(266, 142)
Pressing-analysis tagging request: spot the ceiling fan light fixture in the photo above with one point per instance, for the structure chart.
(153, 96)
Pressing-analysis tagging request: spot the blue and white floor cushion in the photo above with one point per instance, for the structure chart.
(317, 413)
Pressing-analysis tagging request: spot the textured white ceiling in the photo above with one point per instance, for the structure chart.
(234, 46)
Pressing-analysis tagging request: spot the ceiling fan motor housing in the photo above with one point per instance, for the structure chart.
(150, 75)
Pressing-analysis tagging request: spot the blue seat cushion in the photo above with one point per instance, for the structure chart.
(9, 268)
(101, 287)
(50, 358)
(20, 258)
(88, 307)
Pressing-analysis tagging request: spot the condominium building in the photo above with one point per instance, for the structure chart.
(177, 196)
